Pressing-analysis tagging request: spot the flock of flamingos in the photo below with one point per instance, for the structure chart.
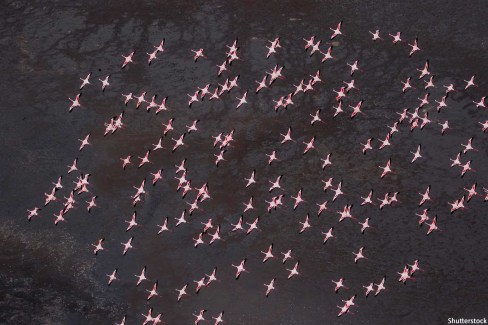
(82, 195)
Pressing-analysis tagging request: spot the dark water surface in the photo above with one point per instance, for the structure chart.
(49, 275)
